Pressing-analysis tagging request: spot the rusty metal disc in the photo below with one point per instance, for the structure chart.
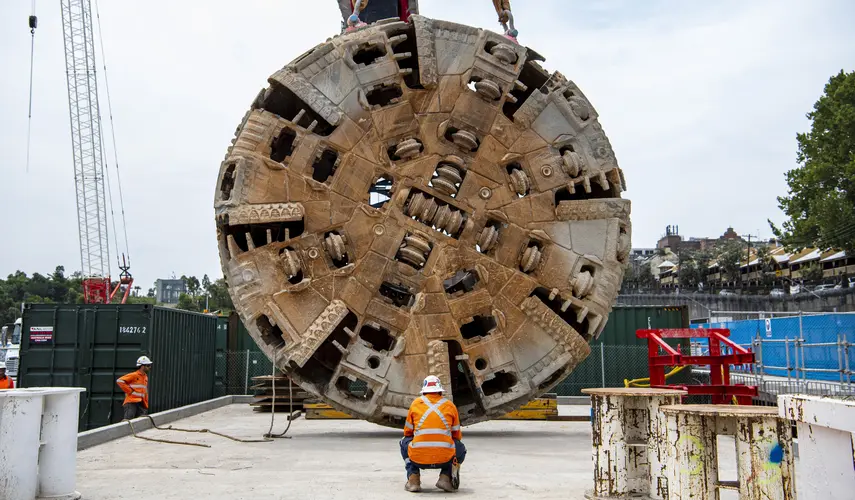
(428, 235)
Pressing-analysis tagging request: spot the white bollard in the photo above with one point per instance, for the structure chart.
(58, 455)
(38, 443)
(826, 427)
(20, 419)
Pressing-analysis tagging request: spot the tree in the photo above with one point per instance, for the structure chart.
(694, 266)
(821, 200)
(38, 288)
(767, 270)
(151, 292)
(731, 257)
(219, 298)
(812, 272)
(192, 284)
(188, 303)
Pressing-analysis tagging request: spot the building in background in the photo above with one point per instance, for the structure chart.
(167, 291)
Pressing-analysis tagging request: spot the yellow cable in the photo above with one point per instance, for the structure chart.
(638, 381)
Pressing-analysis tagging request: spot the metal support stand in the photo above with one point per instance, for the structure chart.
(629, 441)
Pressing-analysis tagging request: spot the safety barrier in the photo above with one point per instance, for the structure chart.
(798, 345)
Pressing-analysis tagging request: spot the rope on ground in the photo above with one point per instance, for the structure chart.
(205, 431)
(167, 441)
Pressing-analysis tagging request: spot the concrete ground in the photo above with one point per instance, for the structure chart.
(328, 459)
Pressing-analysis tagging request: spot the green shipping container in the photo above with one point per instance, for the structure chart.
(618, 354)
(90, 346)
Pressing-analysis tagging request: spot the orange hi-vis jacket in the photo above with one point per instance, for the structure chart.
(434, 424)
(135, 385)
(6, 383)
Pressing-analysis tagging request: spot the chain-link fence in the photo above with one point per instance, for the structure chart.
(607, 366)
(235, 370)
(803, 360)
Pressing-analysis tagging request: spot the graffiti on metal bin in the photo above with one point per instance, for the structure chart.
(693, 462)
(770, 470)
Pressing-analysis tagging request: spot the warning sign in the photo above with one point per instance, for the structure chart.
(768, 328)
(41, 334)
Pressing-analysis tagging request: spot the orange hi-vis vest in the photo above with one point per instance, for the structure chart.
(135, 386)
(434, 424)
(6, 383)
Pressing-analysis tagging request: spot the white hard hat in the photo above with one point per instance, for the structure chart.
(143, 360)
(432, 384)
(2, 365)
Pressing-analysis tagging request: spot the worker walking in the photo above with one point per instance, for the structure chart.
(5, 382)
(135, 386)
(432, 438)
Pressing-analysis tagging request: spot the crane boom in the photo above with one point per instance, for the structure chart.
(87, 148)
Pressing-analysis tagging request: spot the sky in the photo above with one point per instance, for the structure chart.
(702, 102)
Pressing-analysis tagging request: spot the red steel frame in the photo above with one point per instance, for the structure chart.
(720, 388)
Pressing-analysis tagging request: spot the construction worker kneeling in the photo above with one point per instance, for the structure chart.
(135, 386)
(432, 438)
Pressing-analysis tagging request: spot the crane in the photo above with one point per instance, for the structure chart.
(90, 174)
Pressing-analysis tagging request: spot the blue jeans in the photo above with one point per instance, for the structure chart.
(414, 468)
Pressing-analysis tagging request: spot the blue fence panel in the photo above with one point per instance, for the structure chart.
(815, 329)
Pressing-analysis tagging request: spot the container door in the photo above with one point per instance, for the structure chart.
(87, 320)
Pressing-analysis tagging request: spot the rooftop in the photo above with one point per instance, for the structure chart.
(806, 255)
(835, 256)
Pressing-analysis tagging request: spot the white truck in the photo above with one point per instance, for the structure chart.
(10, 341)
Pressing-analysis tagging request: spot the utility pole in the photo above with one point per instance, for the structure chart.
(748, 258)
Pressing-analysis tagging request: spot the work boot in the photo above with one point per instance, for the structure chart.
(414, 483)
(444, 483)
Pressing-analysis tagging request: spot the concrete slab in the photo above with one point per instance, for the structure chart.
(331, 460)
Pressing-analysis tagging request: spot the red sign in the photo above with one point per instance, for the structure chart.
(41, 334)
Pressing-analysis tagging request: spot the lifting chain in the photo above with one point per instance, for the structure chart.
(583, 284)
(334, 245)
(427, 211)
(504, 53)
(520, 181)
(415, 250)
(487, 238)
(530, 259)
(465, 140)
(488, 89)
(449, 175)
(408, 149)
(291, 263)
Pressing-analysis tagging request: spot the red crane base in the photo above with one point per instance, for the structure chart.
(96, 290)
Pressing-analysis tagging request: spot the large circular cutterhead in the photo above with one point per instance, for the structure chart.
(422, 198)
